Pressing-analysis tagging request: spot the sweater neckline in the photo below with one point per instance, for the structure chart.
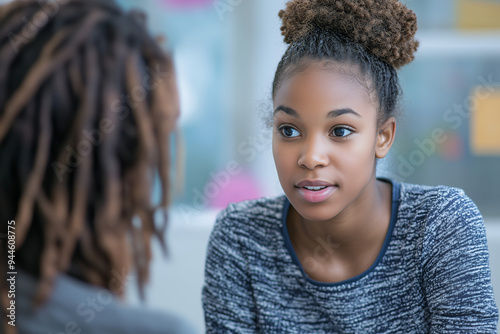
(394, 210)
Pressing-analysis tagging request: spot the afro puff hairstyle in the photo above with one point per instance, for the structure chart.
(385, 28)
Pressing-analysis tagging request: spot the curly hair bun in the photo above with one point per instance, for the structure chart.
(386, 28)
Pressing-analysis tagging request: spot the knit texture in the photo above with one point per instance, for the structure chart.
(431, 276)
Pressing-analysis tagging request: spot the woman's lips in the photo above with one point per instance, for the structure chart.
(316, 196)
(313, 183)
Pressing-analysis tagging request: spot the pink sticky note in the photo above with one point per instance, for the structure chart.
(239, 188)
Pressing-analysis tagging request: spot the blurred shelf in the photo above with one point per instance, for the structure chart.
(453, 43)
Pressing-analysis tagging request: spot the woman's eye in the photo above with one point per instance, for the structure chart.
(341, 132)
(289, 132)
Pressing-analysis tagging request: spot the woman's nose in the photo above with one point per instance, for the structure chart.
(314, 154)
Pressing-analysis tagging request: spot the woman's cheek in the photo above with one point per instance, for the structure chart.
(285, 163)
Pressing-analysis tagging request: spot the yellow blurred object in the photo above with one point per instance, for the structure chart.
(485, 124)
(478, 14)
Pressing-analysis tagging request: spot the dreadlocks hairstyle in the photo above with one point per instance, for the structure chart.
(87, 102)
(376, 36)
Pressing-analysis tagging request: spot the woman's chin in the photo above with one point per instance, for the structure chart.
(315, 213)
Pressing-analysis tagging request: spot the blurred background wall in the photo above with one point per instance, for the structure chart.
(226, 53)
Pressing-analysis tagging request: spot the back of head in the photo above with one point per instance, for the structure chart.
(87, 102)
(376, 37)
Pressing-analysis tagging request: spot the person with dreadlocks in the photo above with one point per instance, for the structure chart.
(88, 100)
(344, 251)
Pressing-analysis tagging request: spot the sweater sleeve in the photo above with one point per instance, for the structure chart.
(455, 264)
(227, 299)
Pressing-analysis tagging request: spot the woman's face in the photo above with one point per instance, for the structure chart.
(324, 140)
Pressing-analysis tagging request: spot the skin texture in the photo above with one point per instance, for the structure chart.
(340, 237)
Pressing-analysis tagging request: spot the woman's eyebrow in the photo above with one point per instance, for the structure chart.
(331, 114)
(287, 110)
(338, 112)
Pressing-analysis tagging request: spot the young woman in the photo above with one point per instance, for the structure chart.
(343, 251)
(87, 102)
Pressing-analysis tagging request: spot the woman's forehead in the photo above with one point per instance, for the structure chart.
(326, 89)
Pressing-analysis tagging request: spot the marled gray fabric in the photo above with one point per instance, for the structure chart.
(432, 275)
(79, 308)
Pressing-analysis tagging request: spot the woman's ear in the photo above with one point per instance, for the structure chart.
(385, 137)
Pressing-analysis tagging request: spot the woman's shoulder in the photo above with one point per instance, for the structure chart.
(439, 208)
(439, 198)
(249, 222)
(442, 217)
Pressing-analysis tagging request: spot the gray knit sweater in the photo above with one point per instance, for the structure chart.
(431, 276)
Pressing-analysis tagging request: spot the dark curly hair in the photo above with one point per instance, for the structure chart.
(375, 36)
(87, 102)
